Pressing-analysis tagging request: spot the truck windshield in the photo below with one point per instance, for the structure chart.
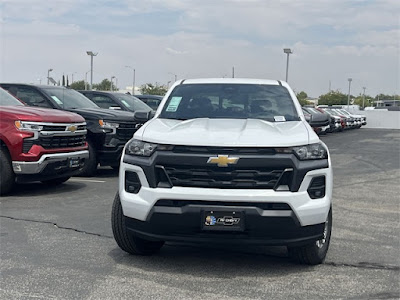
(69, 99)
(7, 100)
(132, 103)
(234, 101)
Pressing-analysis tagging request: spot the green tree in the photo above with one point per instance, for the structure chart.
(302, 96)
(387, 97)
(78, 85)
(153, 89)
(359, 100)
(332, 98)
(104, 85)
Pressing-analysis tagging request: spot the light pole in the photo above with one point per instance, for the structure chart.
(348, 95)
(72, 79)
(176, 76)
(111, 84)
(133, 82)
(287, 51)
(91, 53)
(86, 80)
(364, 97)
(48, 76)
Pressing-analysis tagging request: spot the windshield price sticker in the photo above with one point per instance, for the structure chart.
(57, 100)
(279, 119)
(173, 104)
(125, 103)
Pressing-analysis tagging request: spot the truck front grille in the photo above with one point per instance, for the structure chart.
(125, 131)
(230, 178)
(61, 141)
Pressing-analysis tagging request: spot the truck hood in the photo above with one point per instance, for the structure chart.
(227, 132)
(104, 114)
(35, 114)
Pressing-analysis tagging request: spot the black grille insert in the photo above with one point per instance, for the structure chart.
(214, 177)
(52, 142)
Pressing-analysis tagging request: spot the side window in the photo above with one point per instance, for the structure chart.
(103, 101)
(30, 96)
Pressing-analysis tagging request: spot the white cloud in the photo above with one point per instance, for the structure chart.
(210, 38)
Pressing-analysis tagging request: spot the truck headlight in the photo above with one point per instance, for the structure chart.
(108, 125)
(28, 126)
(313, 151)
(140, 148)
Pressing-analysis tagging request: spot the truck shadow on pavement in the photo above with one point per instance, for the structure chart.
(213, 262)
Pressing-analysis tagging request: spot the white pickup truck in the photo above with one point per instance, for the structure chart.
(225, 161)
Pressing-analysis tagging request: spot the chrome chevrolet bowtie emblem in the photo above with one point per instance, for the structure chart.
(223, 160)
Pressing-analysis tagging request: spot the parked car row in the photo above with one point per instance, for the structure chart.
(62, 134)
(66, 132)
(336, 119)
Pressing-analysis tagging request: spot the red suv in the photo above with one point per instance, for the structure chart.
(39, 144)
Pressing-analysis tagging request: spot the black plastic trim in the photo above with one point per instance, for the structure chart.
(280, 160)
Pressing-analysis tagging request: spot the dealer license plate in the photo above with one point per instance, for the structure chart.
(229, 220)
(73, 162)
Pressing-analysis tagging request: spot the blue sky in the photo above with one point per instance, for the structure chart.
(331, 41)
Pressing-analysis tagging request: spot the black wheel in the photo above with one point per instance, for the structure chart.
(90, 167)
(56, 181)
(315, 253)
(7, 176)
(126, 240)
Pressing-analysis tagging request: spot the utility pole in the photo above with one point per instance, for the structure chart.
(233, 72)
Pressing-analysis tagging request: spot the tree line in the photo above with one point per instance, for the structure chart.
(338, 98)
(330, 98)
(107, 85)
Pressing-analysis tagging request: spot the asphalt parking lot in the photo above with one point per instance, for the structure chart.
(56, 242)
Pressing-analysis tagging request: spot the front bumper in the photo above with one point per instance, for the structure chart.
(306, 210)
(260, 226)
(46, 160)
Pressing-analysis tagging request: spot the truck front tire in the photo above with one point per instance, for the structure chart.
(7, 176)
(127, 241)
(90, 167)
(314, 253)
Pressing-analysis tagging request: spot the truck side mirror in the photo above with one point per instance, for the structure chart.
(319, 120)
(142, 116)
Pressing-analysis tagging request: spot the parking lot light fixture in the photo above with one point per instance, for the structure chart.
(133, 82)
(48, 76)
(287, 51)
(91, 53)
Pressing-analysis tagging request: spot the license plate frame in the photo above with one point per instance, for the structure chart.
(222, 220)
(73, 162)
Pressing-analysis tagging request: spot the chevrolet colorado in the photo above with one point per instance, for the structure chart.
(229, 161)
